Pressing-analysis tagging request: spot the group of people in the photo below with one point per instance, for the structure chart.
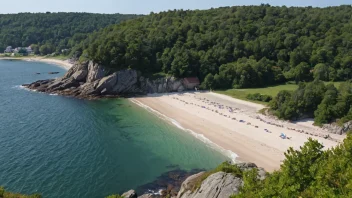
(296, 130)
(220, 108)
(209, 105)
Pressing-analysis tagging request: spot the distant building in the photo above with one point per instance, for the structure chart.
(29, 50)
(191, 82)
(16, 50)
(8, 49)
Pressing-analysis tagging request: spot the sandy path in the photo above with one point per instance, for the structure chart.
(222, 126)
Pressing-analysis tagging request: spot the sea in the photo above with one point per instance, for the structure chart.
(65, 147)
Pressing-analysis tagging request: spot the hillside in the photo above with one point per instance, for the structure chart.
(52, 31)
(232, 47)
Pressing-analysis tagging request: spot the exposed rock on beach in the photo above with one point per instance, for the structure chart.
(91, 80)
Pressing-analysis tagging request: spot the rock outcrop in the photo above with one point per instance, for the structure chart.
(129, 194)
(217, 185)
(336, 129)
(91, 80)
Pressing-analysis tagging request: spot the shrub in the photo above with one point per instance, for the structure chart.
(259, 97)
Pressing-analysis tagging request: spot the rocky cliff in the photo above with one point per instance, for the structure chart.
(217, 185)
(91, 80)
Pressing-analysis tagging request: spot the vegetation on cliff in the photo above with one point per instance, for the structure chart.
(308, 172)
(232, 47)
(5, 194)
(52, 32)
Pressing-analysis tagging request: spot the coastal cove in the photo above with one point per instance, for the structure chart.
(66, 147)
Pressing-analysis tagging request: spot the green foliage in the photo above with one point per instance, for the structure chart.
(315, 99)
(259, 97)
(241, 47)
(114, 196)
(308, 172)
(55, 30)
(5, 194)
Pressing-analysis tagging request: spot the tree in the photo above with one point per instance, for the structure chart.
(208, 82)
(35, 48)
(301, 72)
(321, 72)
(325, 112)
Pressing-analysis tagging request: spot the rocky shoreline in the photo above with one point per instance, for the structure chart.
(89, 80)
(217, 185)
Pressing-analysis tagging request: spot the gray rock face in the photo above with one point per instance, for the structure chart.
(162, 85)
(95, 72)
(107, 82)
(80, 75)
(126, 81)
(335, 129)
(188, 185)
(88, 80)
(129, 194)
(76, 67)
(217, 185)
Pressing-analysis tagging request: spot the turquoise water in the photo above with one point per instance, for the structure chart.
(65, 147)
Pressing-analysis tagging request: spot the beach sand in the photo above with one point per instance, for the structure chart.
(201, 113)
(62, 63)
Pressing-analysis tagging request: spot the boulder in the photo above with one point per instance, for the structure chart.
(80, 75)
(53, 72)
(107, 83)
(95, 72)
(89, 88)
(63, 84)
(129, 194)
(188, 184)
(76, 67)
(217, 185)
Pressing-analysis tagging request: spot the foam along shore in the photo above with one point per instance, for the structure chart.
(234, 125)
(66, 64)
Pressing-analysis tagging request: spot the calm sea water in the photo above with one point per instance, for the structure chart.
(65, 147)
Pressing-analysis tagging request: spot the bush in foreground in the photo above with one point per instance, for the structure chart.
(5, 194)
(308, 172)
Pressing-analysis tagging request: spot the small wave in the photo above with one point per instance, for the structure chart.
(53, 94)
(23, 88)
(155, 192)
(18, 87)
(232, 155)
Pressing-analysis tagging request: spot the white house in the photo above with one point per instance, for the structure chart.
(8, 49)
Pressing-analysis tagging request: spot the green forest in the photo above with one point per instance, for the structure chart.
(232, 47)
(325, 103)
(240, 47)
(52, 32)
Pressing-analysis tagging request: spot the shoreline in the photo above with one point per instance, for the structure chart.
(231, 155)
(247, 141)
(65, 64)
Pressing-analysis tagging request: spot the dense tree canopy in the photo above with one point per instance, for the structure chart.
(325, 103)
(52, 31)
(247, 46)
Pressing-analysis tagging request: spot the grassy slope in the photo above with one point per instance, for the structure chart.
(271, 90)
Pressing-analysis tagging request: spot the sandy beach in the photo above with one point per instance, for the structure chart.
(62, 63)
(236, 126)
